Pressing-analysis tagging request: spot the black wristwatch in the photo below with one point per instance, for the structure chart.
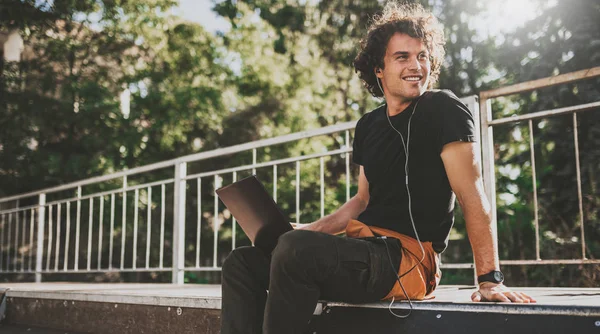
(494, 276)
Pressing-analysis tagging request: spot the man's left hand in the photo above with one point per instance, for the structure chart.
(298, 226)
(492, 292)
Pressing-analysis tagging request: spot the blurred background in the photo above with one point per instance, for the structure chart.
(90, 87)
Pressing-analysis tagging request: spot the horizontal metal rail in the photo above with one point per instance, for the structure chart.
(548, 262)
(19, 209)
(541, 83)
(91, 271)
(211, 268)
(115, 191)
(268, 164)
(192, 157)
(457, 266)
(546, 113)
(523, 263)
(94, 195)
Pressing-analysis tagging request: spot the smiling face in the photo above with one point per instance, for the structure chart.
(405, 75)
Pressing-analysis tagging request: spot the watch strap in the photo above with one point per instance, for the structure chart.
(494, 276)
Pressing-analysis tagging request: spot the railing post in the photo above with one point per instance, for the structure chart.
(487, 146)
(40, 237)
(488, 152)
(123, 222)
(253, 161)
(473, 104)
(179, 223)
(78, 229)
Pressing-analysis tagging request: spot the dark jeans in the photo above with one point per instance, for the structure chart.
(304, 267)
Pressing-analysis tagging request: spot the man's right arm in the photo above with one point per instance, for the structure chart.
(337, 221)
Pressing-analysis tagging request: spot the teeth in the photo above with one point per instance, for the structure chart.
(412, 78)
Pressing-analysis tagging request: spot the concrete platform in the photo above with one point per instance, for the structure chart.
(188, 295)
(157, 308)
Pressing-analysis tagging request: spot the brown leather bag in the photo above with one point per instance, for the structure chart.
(423, 279)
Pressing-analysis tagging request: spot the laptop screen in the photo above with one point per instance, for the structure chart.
(256, 212)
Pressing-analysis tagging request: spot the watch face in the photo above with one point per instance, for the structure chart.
(498, 276)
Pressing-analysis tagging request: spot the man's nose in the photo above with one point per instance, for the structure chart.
(414, 64)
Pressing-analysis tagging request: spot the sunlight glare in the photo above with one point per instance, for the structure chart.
(503, 16)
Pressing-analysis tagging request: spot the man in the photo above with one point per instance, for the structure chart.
(416, 153)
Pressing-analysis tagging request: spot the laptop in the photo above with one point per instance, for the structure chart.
(255, 211)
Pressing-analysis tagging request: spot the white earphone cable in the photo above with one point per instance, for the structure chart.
(405, 146)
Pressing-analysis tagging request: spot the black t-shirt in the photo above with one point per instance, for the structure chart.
(440, 118)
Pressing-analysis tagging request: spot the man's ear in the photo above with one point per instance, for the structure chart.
(378, 73)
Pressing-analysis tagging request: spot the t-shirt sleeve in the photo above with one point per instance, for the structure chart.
(458, 123)
(357, 142)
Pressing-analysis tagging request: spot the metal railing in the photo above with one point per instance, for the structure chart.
(38, 238)
(49, 247)
(488, 162)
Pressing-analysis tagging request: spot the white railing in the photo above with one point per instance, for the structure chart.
(45, 236)
(488, 162)
(54, 228)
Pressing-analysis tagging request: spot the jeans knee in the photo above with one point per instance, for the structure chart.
(294, 247)
(230, 262)
(235, 259)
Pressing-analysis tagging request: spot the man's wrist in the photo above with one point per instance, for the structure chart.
(494, 276)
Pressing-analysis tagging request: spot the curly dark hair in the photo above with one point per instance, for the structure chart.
(410, 19)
